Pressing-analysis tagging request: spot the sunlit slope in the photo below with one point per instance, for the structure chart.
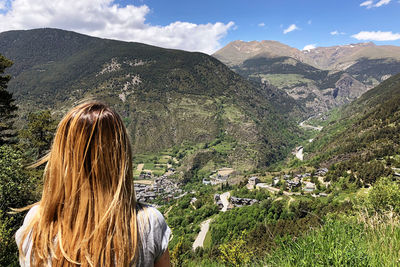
(366, 129)
(166, 97)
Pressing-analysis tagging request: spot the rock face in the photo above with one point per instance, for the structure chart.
(317, 79)
(348, 87)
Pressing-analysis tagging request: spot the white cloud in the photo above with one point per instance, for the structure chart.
(262, 24)
(382, 2)
(3, 4)
(370, 3)
(309, 47)
(106, 19)
(337, 33)
(309, 22)
(291, 28)
(377, 36)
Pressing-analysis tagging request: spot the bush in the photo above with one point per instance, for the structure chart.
(384, 196)
(17, 188)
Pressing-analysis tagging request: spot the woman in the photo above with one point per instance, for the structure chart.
(88, 214)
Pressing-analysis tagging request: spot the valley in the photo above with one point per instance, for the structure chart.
(261, 154)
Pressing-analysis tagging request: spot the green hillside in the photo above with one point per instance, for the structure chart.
(287, 67)
(166, 97)
(363, 134)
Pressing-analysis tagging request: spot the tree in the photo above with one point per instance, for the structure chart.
(7, 106)
(236, 252)
(178, 253)
(17, 189)
(39, 132)
(384, 195)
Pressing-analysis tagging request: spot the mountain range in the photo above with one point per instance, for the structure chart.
(317, 79)
(166, 97)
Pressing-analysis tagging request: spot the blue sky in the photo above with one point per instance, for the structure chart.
(209, 25)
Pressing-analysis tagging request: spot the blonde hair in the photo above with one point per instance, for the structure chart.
(87, 213)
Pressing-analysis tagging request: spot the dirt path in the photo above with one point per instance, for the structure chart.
(166, 213)
(140, 167)
(276, 190)
(204, 226)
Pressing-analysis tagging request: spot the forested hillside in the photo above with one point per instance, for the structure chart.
(366, 129)
(166, 97)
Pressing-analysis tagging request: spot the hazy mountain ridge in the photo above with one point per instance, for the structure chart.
(325, 58)
(318, 79)
(165, 96)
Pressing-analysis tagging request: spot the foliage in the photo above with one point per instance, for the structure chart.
(335, 244)
(184, 218)
(363, 131)
(166, 97)
(243, 192)
(384, 196)
(7, 106)
(349, 241)
(8, 248)
(236, 252)
(178, 253)
(17, 189)
(38, 134)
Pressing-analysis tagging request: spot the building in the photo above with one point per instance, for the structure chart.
(309, 187)
(253, 181)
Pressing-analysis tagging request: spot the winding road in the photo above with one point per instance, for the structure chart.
(204, 226)
(299, 153)
(224, 199)
(317, 128)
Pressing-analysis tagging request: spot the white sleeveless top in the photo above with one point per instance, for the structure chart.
(152, 228)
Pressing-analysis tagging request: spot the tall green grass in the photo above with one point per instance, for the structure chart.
(367, 241)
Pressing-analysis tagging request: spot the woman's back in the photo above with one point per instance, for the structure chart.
(87, 214)
(153, 231)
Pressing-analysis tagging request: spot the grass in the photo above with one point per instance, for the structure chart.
(164, 159)
(284, 80)
(158, 172)
(149, 166)
(357, 241)
(223, 147)
(204, 263)
(207, 240)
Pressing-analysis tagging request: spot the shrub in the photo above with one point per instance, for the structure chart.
(384, 196)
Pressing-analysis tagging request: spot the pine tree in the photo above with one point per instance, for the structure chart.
(38, 133)
(7, 106)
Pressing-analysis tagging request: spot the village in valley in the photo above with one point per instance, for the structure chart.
(160, 187)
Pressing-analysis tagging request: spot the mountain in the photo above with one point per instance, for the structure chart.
(318, 79)
(166, 97)
(363, 136)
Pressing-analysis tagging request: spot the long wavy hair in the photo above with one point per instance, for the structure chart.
(87, 213)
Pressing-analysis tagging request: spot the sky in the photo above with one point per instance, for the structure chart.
(208, 25)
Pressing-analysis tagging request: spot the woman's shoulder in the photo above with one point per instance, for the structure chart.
(154, 232)
(33, 211)
(149, 213)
